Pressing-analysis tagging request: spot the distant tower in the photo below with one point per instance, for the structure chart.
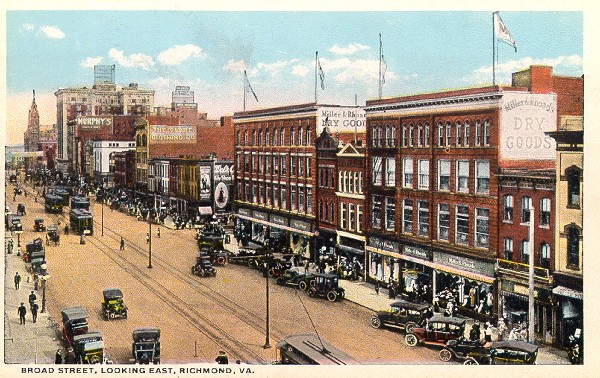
(32, 135)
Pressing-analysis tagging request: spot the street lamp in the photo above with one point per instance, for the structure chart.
(43, 279)
(267, 264)
(149, 227)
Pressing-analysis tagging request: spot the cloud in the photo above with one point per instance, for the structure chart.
(235, 66)
(347, 70)
(134, 60)
(300, 70)
(273, 68)
(179, 53)
(90, 62)
(351, 49)
(53, 32)
(29, 27)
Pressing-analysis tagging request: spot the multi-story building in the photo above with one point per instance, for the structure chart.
(124, 174)
(32, 135)
(325, 195)
(104, 158)
(434, 223)
(568, 233)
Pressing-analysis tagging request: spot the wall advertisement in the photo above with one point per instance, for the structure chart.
(172, 134)
(341, 119)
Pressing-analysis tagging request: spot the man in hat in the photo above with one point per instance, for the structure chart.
(17, 280)
(22, 312)
(222, 358)
(32, 298)
(34, 311)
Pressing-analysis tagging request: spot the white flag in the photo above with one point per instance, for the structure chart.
(321, 75)
(502, 33)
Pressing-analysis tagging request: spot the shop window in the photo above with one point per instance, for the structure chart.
(508, 248)
(407, 167)
(407, 216)
(573, 248)
(525, 251)
(377, 162)
(573, 180)
(423, 218)
(444, 175)
(545, 255)
(482, 175)
(507, 204)
(462, 224)
(545, 212)
(390, 213)
(482, 227)
(423, 174)
(462, 176)
(376, 215)
(525, 209)
(443, 221)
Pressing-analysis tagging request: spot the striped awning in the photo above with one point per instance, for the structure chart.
(566, 292)
(275, 225)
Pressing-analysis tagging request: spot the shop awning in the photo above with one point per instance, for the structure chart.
(464, 273)
(355, 251)
(566, 292)
(307, 233)
(205, 210)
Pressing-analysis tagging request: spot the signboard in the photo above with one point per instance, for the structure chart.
(386, 245)
(172, 134)
(23, 154)
(278, 219)
(260, 215)
(223, 180)
(223, 172)
(246, 212)
(416, 252)
(104, 74)
(90, 123)
(221, 196)
(341, 119)
(300, 225)
(205, 188)
(524, 118)
(464, 263)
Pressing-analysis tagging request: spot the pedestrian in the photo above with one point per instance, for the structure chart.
(58, 357)
(22, 311)
(391, 291)
(158, 231)
(57, 240)
(122, 246)
(222, 358)
(475, 333)
(70, 357)
(487, 330)
(377, 287)
(66, 229)
(17, 280)
(47, 240)
(32, 298)
(34, 311)
(10, 246)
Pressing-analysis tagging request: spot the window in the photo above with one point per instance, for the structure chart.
(390, 172)
(410, 134)
(377, 162)
(486, 132)
(390, 213)
(293, 198)
(309, 209)
(525, 209)
(376, 216)
(443, 221)
(308, 139)
(420, 136)
(444, 175)
(300, 166)
(407, 216)
(545, 212)
(254, 192)
(525, 251)
(300, 136)
(573, 248)
(292, 166)
(267, 137)
(467, 130)
(448, 133)
(374, 136)
(308, 167)
(359, 215)
(260, 138)
(573, 182)
(321, 210)
(268, 195)
(404, 136)
(284, 165)
(462, 224)
(261, 193)
(282, 137)
(260, 163)
(478, 133)
(351, 216)
(275, 195)
(360, 189)
(508, 248)
(268, 164)
(292, 137)
(331, 211)
(301, 199)
(426, 136)
(459, 133)
(247, 192)
(482, 175)
(276, 164)
(482, 228)
(343, 220)
(283, 198)
(407, 167)
(545, 255)
(245, 137)
(237, 137)
(508, 208)
(423, 174)
(253, 141)
(388, 136)
(275, 139)
(423, 218)
(462, 176)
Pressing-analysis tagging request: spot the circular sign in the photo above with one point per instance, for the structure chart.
(221, 195)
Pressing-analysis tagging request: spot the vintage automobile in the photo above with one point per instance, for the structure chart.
(250, 256)
(21, 209)
(146, 346)
(15, 223)
(437, 331)
(13, 179)
(402, 314)
(35, 246)
(75, 322)
(113, 305)
(52, 233)
(89, 348)
(35, 259)
(217, 255)
(38, 225)
(510, 352)
(461, 348)
(326, 285)
(296, 277)
(204, 267)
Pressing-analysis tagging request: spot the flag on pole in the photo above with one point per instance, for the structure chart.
(502, 33)
(250, 87)
(321, 75)
(383, 69)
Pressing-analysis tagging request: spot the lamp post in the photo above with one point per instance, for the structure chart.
(102, 213)
(43, 295)
(267, 263)
(149, 228)
(531, 315)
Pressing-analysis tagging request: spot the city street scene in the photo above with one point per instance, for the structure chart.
(231, 192)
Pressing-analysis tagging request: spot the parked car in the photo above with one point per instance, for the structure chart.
(15, 223)
(511, 352)
(75, 322)
(294, 277)
(89, 348)
(146, 346)
(437, 331)
(326, 285)
(38, 225)
(402, 314)
(204, 267)
(460, 348)
(52, 233)
(113, 305)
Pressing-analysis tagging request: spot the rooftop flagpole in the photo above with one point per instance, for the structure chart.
(245, 89)
(316, 69)
(494, 48)
(380, 55)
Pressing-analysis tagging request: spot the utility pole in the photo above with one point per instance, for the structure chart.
(531, 316)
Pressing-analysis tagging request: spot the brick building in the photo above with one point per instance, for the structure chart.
(124, 173)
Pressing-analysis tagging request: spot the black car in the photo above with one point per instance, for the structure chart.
(146, 346)
(204, 267)
(294, 277)
(38, 225)
(511, 352)
(461, 348)
(113, 305)
(402, 314)
(326, 285)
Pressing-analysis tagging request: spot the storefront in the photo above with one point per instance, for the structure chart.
(383, 260)
(568, 300)
(351, 248)
(416, 273)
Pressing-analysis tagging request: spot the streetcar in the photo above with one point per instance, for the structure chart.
(80, 202)
(81, 221)
(63, 194)
(309, 349)
(53, 203)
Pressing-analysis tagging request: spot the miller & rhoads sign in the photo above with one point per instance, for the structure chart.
(524, 119)
(341, 119)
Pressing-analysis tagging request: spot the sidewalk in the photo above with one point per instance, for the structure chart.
(32, 343)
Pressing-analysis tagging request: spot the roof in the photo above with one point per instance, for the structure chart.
(514, 344)
(74, 313)
(315, 350)
(411, 305)
(89, 336)
(447, 319)
(112, 293)
(146, 334)
(326, 275)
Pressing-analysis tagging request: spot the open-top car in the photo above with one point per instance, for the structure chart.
(510, 352)
(461, 348)
(89, 348)
(52, 232)
(326, 285)
(146, 346)
(15, 223)
(437, 331)
(296, 277)
(204, 267)
(402, 314)
(75, 322)
(113, 305)
(38, 225)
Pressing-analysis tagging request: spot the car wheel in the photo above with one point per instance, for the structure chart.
(411, 340)
(332, 296)
(445, 355)
(112, 315)
(470, 361)
(410, 327)
(221, 260)
(302, 285)
(201, 272)
(311, 292)
(193, 270)
(251, 263)
(375, 322)
(279, 281)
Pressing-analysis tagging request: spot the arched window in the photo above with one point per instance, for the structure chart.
(466, 128)
(300, 137)
(138, 140)
(478, 141)
(245, 137)
(253, 140)
(308, 139)
(459, 133)
(260, 138)
(411, 134)
(545, 255)
(275, 139)
(574, 186)
(486, 132)
(144, 140)
(448, 133)
(440, 131)
(573, 247)
(404, 135)
(427, 132)
(282, 137)
(267, 137)
(237, 137)
(292, 137)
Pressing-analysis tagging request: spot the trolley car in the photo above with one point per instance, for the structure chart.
(82, 221)
(53, 203)
(309, 349)
(80, 202)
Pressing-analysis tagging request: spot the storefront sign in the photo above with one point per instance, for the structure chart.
(172, 134)
(246, 212)
(386, 245)
(523, 290)
(277, 219)
(221, 196)
(205, 182)
(92, 123)
(223, 173)
(260, 215)
(341, 119)
(417, 252)
(464, 263)
(300, 225)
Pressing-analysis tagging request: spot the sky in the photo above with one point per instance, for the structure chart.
(424, 51)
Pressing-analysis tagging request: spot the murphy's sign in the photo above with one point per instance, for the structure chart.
(524, 118)
(94, 123)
